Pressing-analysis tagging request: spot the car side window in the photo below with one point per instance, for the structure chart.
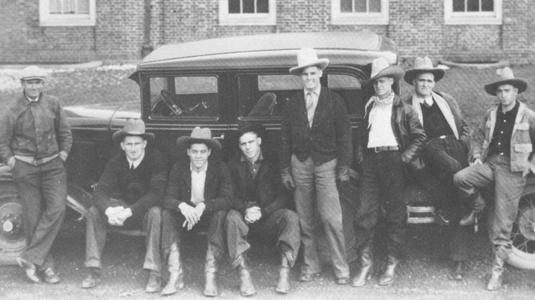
(350, 88)
(184, 97)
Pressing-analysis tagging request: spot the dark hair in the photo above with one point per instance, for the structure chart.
(257, 129)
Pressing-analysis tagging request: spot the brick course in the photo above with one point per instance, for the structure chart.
(417, 27)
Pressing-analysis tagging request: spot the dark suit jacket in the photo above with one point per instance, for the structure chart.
(329, 137)
(408, 131)
(217, 187)
(268, 192)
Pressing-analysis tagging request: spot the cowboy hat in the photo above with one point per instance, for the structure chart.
(33, 72)
(133, 127)
(307, 57)
(423, 65)
(506, 77)
(381, 68)
(198, 135)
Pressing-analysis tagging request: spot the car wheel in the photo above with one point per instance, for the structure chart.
(12, 241)
(523, 235)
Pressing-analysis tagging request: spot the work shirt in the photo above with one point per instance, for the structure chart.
(37, 129)
(501, 137)
(198, 179)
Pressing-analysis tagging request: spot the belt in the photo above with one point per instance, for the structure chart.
(383, 149)
(36, 162)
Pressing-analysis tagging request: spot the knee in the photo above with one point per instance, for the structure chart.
(93, 213)
(289, 218)
(155, 214)
(233, 218)
(459, 178)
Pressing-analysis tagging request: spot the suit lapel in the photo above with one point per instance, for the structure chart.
(321, 108)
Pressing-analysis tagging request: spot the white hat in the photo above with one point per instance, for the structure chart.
(33, 72)
(423, 65)
(506, 76)
(307, 57)
(381, 68)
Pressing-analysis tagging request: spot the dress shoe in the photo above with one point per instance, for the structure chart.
(283, 286)
(388, 276)
(92, 279)
(247, 288)
(176, 275)
(29, 269)
(366, 264)
(496, 276)
(49, 276)
(458, 274)
(154, 283)
(307, 277)
(210, 273)
(342, 280)
(468, 219)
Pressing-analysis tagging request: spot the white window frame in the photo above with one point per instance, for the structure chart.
(48, 19)
(472, 18)
(357, 18)
(226, 18)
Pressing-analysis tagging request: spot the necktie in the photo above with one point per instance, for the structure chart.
(131, 166)
(309, 101)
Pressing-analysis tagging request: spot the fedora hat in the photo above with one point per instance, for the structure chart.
(198, 135)
(506, 77)
(307, 57)
(33, 72)
(423, 65)
(133, 127)
(381, 68)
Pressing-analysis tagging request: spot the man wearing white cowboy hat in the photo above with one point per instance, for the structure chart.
(391, 137)
(316, 151)
(128, 195)
(445, 153)
(502, 156)
(35, 140)
(198, 196)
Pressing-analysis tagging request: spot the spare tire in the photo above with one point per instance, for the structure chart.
(523, 235)
(12, 240)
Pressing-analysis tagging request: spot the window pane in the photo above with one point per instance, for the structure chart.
(83, 7)
(262, 6)
(248, 6)
(234, 6)
(69, 7)
(345, 6)
(487, 5)
(458, 5)
(472, 5)
(55, 7)
(195, 85)
(360, 6)
(375, 5)
(350, 89)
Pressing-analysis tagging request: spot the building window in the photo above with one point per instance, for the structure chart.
(359, 12)
(473, 12)
(67, 12)
(247, 12)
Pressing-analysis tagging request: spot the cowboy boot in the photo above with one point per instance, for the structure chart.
(176, 275)
(246, 283)
(210, 270)
(496, 277)
(283, 286)
(388, 276)
(366, 264)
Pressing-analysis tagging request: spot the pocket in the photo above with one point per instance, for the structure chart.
(522, 126)
(523, 148)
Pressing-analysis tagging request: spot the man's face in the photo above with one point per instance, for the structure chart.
(198, 154)
(133, 147)
(383, 86)
(311, 77)
(250, 145)
(506, 94)
(33, 87)
(424, 84)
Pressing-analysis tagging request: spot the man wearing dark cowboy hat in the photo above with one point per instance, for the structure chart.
(198, 196)
(261, 204)
(502, 156)
(128, 195)
(316, 151)
(35, 141)
(444, 154)
(391, 138)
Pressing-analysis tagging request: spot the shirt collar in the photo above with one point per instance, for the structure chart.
(30, 100)
(425, 100)
(315, 91)
(135, 162)
(202, 170)
(509, 113)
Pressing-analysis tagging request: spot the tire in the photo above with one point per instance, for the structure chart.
(523, 235)
(12, 240)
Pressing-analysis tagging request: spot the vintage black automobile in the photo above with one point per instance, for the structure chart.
(221, 83)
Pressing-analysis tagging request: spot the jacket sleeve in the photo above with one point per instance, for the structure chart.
(238, 203)
(478, 136)
(107, 185)
(63, 131)
(172, 199)
(223, 198)
(464, 130)
(157, 185)
(286, 137)
(416, 133)
(6, 135)
(343, 133)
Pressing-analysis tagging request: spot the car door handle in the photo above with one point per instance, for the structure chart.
(221, 137)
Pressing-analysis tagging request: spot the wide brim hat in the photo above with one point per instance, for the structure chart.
(423, 65)
(133, 127)
(506, 77)
(198, 136)
(33, 72)
(381, 68)
(307, 57)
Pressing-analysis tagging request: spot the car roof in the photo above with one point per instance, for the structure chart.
(270, 50)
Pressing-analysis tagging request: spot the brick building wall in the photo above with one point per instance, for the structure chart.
(417, 27)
